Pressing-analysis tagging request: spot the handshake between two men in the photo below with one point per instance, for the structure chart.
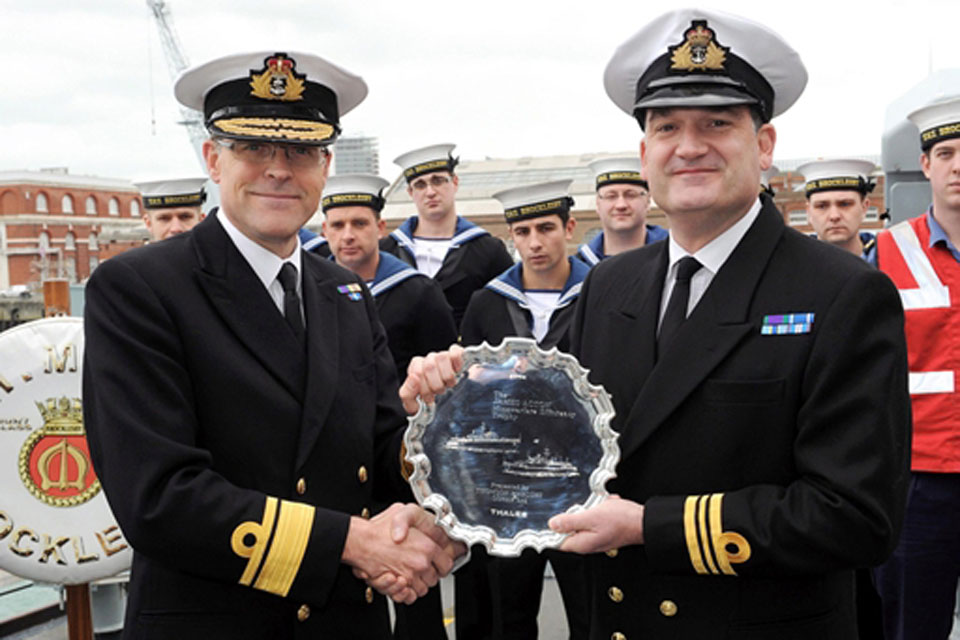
(402, 552)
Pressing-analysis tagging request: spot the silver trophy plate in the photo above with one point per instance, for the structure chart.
(521, 437)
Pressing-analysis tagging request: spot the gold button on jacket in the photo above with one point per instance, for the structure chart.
(612, 553)
(668, 608)
(365, 513)
(615, 594)
(616, 635)
(303, 613)
(301, 486)
(362, 474)
(368, 595)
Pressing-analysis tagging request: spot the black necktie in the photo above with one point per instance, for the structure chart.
(291, 301)
(676, 311)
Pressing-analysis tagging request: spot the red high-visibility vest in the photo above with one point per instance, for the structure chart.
(929, 283)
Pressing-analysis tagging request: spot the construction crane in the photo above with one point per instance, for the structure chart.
(177, 62)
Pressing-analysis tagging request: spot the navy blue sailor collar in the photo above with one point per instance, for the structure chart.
(310, 240)
(592, 252)
(464, 232)
(391, 271)
(509, 284)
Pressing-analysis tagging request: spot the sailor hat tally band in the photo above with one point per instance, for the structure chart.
(169, 194)
(937, 122)
(700, 58)
(536, 200)
(837, 175)
(271, 96)
(436, 157)
(624, 170)
(354, 190)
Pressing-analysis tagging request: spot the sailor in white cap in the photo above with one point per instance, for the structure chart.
(240, 399)
(536, 299)
(918, 585)
(837, 193)
(458, 254)
(171, 206)
(411, 306)
(758, 376)
(413, 311)
(623, 199)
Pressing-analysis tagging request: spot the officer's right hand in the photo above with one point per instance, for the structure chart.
(430, 375)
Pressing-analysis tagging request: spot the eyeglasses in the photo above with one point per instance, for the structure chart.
(613, 196)
(300, 156)
(435, 181)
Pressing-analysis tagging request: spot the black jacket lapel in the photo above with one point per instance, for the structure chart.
(717, 324)
(323, 354)
(245, 306)
(641, 308)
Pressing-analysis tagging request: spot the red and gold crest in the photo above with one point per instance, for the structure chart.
(55, 461)
(699, 50)
(278, 80)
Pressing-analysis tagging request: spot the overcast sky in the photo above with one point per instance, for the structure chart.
(88, 86)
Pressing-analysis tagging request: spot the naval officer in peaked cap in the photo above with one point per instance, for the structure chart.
(239, 395)
(172, 206)
(759, 376)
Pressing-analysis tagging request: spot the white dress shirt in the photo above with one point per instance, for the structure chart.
(264, 263)
(711, 257)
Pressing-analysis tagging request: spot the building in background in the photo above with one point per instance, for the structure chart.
(57, 225)
(356, 154)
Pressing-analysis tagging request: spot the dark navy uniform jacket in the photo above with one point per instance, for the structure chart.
(412, 309)
(769, 444)
(501, 309)
(233, 456)
(475, 257)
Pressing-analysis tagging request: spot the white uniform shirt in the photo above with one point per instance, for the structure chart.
(264, 263)
(430, 253)
(542, 305)
(711, 257)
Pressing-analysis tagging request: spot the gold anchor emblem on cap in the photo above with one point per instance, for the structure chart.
(278, 80)
(699, 51)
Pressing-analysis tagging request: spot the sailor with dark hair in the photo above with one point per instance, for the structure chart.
(411, 306)
(535, 298)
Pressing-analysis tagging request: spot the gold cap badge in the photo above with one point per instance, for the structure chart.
(699, 51)
(277, 80)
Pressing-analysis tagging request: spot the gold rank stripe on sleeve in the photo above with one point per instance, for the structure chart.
(284, 545)
(712, 550)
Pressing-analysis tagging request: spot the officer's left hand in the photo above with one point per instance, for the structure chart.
(612, 524)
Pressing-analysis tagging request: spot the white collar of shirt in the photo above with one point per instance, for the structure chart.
(263, 262)
(711, 256)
